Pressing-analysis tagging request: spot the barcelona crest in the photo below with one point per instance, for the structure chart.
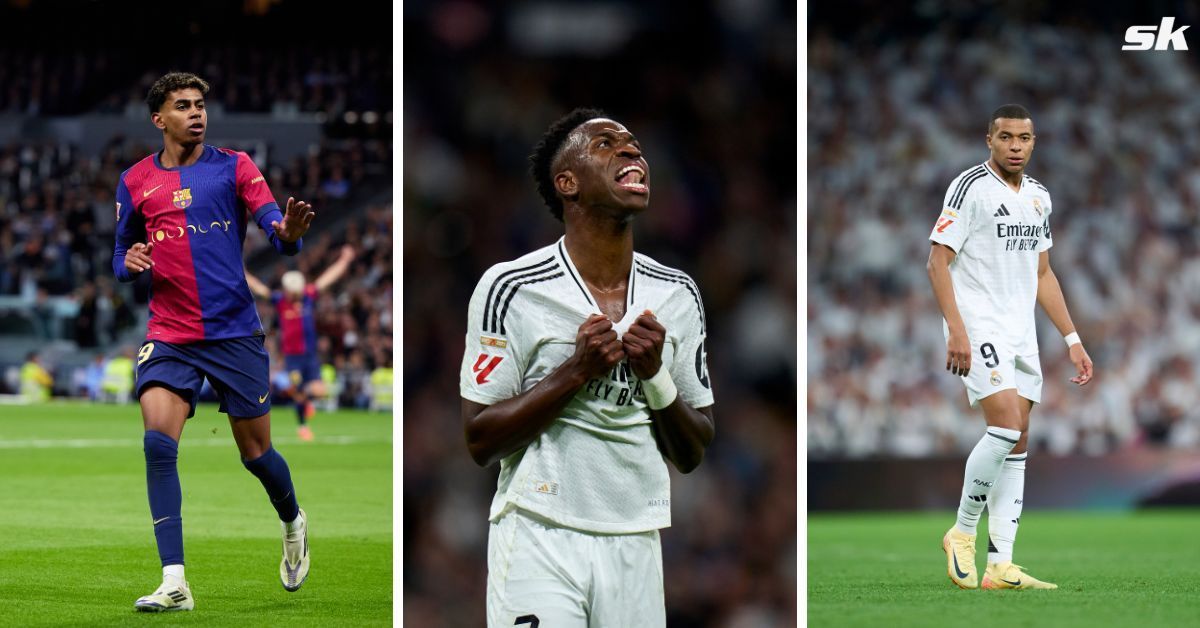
(182, 198)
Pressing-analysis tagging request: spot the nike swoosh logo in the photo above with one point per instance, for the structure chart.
(151, 190)
(1015, 584)
(158, 521)
(263, 398)
(961, 573)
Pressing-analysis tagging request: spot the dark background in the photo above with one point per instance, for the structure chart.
(709, 89)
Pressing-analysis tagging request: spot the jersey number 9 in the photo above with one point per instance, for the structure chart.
(989, 355)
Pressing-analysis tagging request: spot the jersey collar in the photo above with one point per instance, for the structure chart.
(1002, 181)
(158, 164)
(630, 284)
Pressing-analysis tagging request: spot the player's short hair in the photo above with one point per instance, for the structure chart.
(172, 81)
(1008, 112)
(547, 150)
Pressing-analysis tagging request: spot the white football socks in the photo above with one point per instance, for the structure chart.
(983, 467)
(173, 575)
(1004, 509)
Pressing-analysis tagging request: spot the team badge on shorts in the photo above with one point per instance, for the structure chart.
(996, 379)
(1037, 207)
(182, 198)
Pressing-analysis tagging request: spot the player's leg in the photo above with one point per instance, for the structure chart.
(990, 385)
(167, 392)
(297, 369)
(238, 369)
(537, 574)
(1007, 498)
(628, 588)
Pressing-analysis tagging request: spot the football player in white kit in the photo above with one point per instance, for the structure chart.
(989, 265)
(584, 369)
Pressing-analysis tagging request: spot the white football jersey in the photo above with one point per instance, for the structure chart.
(998, 235)
(597, 467)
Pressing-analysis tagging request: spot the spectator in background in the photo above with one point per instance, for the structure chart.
(86, 320)
(36, 382)
(94, 377)
(119, 377)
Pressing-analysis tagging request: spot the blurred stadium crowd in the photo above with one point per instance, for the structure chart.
(56, 199)
(717, 128)
(890, 124)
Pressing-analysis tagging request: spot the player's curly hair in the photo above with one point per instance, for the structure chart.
(170, 82)
(545, 153)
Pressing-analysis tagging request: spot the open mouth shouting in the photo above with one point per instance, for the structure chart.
(631, 178)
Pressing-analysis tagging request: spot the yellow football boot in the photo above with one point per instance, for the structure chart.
(1007, 575)
(960, 558)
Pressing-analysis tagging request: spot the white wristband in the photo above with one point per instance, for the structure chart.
(660, 390)
(1072, 339)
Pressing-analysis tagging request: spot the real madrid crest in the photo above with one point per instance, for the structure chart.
(1037, 207)
(183, 198)
(996, 379)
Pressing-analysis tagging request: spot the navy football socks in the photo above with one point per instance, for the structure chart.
(300, 406)
(162, 486)
(272, 470)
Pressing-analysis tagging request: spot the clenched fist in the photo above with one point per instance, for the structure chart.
(643, 343)
(597, 349)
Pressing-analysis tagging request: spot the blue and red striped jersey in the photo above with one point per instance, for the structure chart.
(297, 327)
(196, 216)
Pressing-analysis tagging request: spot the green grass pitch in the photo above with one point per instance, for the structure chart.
(1112, 569)
(77, 546)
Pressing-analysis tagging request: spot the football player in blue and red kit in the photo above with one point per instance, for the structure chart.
(294, 308)
(182, 215)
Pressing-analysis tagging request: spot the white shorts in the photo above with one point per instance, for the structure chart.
(561, 578)
(994, 367)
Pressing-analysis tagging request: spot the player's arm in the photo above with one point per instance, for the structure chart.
(130, 257)
(497, 430)
(283, 229)
(257, 288)
(958, 346)
(682, 432)
(336, 271)
(1050, 297)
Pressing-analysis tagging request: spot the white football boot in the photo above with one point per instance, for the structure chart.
(293, 569)
(168, 597)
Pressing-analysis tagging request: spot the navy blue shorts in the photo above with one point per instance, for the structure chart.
(237, 368)
(302, 369)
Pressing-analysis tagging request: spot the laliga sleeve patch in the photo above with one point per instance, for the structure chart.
(484, 367)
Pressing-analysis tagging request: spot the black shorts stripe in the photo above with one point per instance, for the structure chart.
(1007, 440)
(563, 254)
(512, 294)
(487, 304)
(956, 202)
(650, 272)
(962, 180)
(515, 282)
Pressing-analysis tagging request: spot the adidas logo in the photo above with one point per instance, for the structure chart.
(1003, 211)
(977, 498)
